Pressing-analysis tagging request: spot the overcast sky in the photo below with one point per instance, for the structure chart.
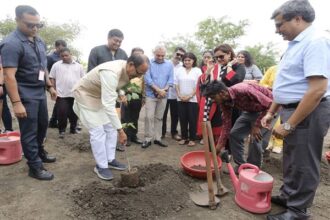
(146, 22)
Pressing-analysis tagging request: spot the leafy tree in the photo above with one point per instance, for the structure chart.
(212, 32)
(264, 56)
(50, 33)
(188, 42)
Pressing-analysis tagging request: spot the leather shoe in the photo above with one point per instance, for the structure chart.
(41, 174)
(289, 215)
(278, 200)
(45, 157)
(136, 140)
(146, 144)
(162, 144)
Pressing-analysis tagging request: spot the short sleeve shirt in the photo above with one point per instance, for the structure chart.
(29, 58)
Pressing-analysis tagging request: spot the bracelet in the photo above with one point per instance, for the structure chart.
(16, 101)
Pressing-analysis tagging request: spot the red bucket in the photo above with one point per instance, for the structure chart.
(10, 147)
(193, 163)
(327, 156)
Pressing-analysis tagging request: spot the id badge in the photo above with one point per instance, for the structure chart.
(41, 75)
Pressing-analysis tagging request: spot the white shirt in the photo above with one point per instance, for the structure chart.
(187, 82)
(66, 75)
(171, 91)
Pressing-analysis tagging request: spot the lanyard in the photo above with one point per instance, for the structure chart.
(35, 48)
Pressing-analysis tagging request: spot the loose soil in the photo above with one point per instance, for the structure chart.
(162, 192)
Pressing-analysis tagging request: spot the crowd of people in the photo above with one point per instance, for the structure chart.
(227, 89)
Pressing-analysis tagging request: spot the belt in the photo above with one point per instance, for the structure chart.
(294, 105)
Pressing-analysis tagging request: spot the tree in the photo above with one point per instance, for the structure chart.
(212, 32)
(264, 56)
(49, 33)
(188, 42)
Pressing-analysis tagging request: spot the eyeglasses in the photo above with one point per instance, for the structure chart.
(179, 54)
(33, 25)
(220, 57)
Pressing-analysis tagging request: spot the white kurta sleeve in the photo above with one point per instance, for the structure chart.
(109, 82)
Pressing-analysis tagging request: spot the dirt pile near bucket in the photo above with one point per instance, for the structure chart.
(161, 191)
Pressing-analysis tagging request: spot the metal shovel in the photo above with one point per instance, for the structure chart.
(206, 197)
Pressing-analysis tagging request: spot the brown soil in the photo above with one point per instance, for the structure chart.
(162, 193)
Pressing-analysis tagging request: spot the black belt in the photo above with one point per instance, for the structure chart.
(294, 105)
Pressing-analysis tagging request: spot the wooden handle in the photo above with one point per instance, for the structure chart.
(214, 155)
(208, 166)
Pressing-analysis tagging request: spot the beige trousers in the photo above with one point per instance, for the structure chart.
(154, 118)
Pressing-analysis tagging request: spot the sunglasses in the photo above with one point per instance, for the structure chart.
(32, 25)
(179, 54)
(220, 57)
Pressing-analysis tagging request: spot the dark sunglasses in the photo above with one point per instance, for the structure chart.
(179, 54)
(32, 25)
(221, 57)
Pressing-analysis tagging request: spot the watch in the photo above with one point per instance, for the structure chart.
(288, 127)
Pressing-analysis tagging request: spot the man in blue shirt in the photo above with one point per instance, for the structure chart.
(24, 63)
(301, 88)
(158, 79)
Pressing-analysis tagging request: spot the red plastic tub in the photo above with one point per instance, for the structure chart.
(327, 156)
(10, 147)
(193, 163)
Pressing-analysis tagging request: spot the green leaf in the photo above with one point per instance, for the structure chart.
(135, 96)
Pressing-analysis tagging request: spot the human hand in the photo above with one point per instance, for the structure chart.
(256, 133)
(122, 137)
(19, 110)
(280, 132)
(53, 93)
(267, 120)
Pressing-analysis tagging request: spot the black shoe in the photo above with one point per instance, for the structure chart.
(52, 124)
(278, 200)
(75, 131)
(41, 174)
(146, 144)
(136, 140)
(162, 144)
(289, 215)
(61, 135)
(78, 128)
(45, 157)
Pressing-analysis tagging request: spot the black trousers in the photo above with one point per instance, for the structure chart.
(188, 114)
(131, 114)
(6, 115)
(33, 130)
(65, 112)
(53, 118)
(171, 104)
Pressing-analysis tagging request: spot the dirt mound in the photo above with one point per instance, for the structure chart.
(162, 190)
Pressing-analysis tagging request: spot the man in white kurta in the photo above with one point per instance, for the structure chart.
(95, 99)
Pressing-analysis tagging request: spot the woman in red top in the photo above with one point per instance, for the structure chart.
(226, 70)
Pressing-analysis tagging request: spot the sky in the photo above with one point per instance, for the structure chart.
(147, 22)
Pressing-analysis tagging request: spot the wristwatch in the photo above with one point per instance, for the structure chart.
(288, 127)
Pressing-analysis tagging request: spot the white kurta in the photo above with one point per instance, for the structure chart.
(91, 118)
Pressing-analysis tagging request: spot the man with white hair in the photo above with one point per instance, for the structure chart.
(158, 79)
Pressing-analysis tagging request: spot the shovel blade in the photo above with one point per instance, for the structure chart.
(202, 199)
